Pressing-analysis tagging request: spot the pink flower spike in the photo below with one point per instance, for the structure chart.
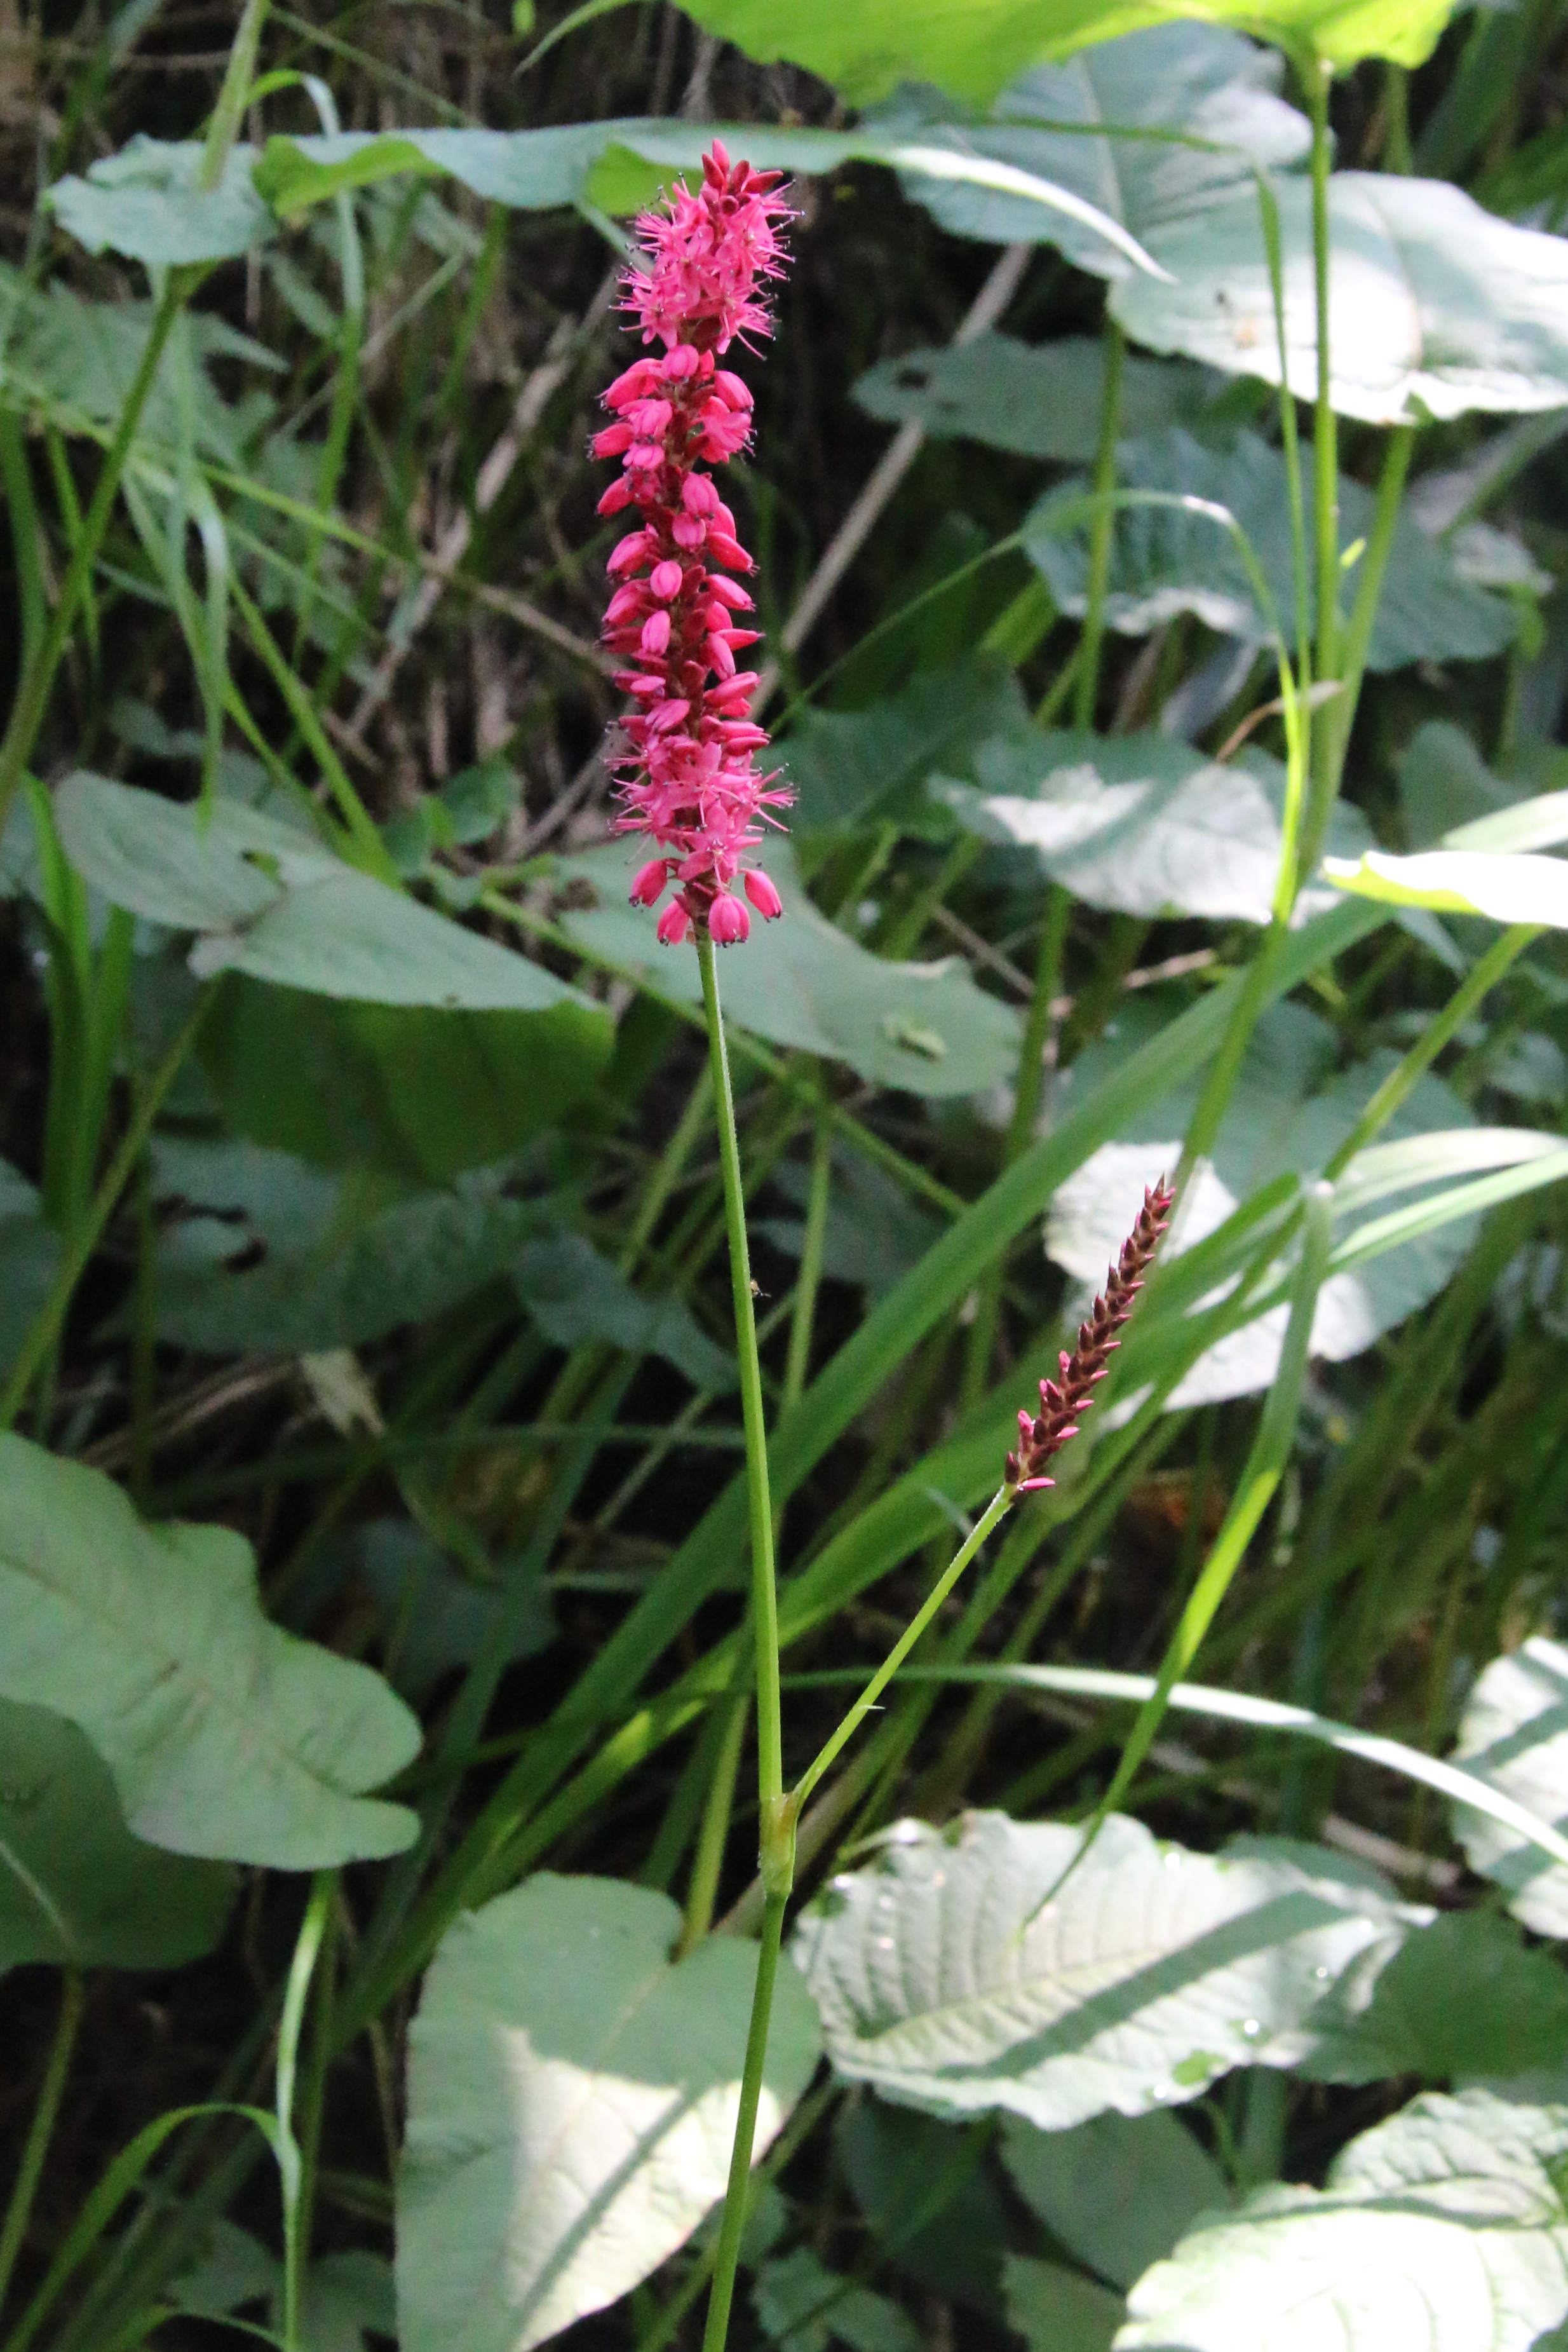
(727, 920)
(685, 752)
(762, 895)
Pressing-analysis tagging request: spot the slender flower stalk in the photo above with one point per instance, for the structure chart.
(686, 757)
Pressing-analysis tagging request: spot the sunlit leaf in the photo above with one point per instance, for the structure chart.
(1435, 306)
(76, 1888)
(1142, 823)
(571, 2104)
(868, 49)
(1444, 2227)
(225, 1737)
(1514, 1734)
(1510, 889)
(1199, 82)
(1152, 1972)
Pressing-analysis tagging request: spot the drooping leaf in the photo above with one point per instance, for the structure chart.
(1039, 400)
(801, 2303)
(574, 1294)
(801, 981)
(571, 2103)
(868, 50)
(1167, 560)
(434, 1618)
(1117, 2192)
(1059, 2310)
(1141, 823)
(1444, 2227)
(225, 1737)
(1435, 306)
(147, 202)
(1169, 83)
(851, 768)
(76, 1888)
(1514, 1733)
(1460, 1998)
(1510, 889)
(280, 907)
(1153, 1971)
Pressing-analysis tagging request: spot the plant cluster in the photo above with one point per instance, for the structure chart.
(575, 1761)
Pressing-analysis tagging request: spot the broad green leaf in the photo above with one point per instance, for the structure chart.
(799, 2303)
(1435, 307)
(1116, 2192)
(142, 203)
(1167, 559)
(874, 1232)
(284, 1258)
(75, 362)
(1441, 2231)
(29, 1259)
(1514, 1734)
(1057, 2310)
(1460, 1998)
(799, 981)
(1152, 1972)
(927, 2198)
(147, 202)
(345, 2297)
(76, 1888)
(275, 904)
(1142, 823)
(1039, 400)
(1194, 81)
(411, 1091)
(225, 1737)
(868, 49)
(1444, 783)
(570, 2107)
(1521, 888)
(852, 768)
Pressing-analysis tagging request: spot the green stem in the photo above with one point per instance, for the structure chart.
(37, 677)
(736, 2188)
(290, 2163)
(50, 1320)
(1086, 684)
(1028, 1086)
(1335, 719)
(30, 2169)
(797, 1364)
(714, 1833)
(1001, 1502)
(1256, 992)
(232, 98)
(764, 1597)
(777, 1826)
(1326, 442)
